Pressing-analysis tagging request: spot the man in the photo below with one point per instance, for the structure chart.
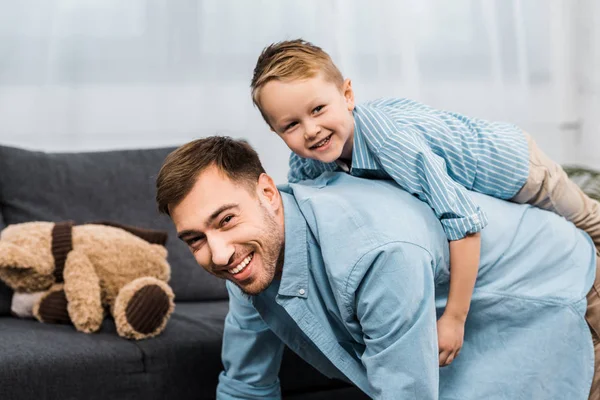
(350, 274)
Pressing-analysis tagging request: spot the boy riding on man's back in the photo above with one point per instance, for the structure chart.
(436, 155)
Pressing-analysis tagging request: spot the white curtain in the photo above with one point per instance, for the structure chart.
(105, 74)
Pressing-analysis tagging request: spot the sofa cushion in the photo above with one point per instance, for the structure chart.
(110, 185)
(39, 361)
(183, 362)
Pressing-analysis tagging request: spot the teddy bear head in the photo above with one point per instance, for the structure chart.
(26, 260)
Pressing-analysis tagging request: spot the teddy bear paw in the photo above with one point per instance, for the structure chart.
(143, 308)
(52, 308)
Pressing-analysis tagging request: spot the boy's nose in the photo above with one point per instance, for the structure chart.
(311, 131)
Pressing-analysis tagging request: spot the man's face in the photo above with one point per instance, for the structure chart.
(313, 116)
(234, 232)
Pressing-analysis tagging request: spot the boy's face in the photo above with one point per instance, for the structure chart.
(313, 116)
(234, 233)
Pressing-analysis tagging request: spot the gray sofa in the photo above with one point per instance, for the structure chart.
(41, 361)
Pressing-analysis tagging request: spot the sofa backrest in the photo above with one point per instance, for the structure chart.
(111, 185)
(5, 293)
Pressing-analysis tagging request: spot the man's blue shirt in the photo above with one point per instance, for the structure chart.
(366, 273)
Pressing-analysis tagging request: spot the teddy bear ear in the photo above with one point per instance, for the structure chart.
(19, 267)
(151, 236)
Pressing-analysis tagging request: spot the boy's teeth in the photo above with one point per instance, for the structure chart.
(241, 265)
(322, 142)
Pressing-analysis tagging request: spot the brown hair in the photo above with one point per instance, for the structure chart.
(180, 170)
(291, 60)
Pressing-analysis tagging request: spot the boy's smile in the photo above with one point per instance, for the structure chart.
(313, 116)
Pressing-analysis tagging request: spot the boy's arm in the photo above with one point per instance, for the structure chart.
(395, 306)
(302, 169)
(251, 354)
(464, 264)
(410, 161)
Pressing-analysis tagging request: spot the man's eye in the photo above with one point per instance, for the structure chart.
(226, 220)
(317, 109)
(195, 242)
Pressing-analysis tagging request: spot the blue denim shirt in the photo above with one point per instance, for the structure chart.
(365, 276)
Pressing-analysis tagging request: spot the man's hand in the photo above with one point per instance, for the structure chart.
(451, 331)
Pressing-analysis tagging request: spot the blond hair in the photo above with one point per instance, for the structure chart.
(292, 60)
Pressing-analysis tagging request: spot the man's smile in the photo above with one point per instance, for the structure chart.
(243, 270)
(242, 265)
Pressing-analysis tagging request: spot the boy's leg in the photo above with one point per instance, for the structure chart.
(549, 187)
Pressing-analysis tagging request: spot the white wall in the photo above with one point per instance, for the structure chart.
(587, 144)
(88, 75)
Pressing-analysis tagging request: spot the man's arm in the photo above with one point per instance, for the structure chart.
(251, 354)
(395, 306)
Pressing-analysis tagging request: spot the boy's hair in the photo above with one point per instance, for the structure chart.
(180, 170)
(291, 60)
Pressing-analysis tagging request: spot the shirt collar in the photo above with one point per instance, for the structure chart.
(294, 278)
(362, 158)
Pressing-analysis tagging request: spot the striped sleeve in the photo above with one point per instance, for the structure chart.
(409, 160)
(303, 168)
(299, 169)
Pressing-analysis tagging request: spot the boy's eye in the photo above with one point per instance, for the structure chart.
(317, 109)
(289, 126)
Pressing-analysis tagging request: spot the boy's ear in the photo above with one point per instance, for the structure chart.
(348, 93)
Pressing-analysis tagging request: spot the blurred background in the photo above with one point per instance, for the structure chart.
(112, 74)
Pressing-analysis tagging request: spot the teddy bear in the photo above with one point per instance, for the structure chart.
(75, 274)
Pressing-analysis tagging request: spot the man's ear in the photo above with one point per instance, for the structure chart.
(348, 94)
(268, 191)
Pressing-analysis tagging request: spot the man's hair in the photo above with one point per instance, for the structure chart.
(292, 60)
(180, 170)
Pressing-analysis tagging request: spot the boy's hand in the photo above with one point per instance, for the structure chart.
(451, 331)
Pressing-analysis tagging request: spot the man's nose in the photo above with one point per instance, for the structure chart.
(311, 130)
(221, 250)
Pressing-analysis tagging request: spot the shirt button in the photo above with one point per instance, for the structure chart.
(301, 291)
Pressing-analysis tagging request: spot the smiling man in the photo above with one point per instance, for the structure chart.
(351, 274)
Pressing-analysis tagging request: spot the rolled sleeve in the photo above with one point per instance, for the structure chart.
(232, 389)
(458, 228)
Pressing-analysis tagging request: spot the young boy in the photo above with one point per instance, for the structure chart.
(433, 154)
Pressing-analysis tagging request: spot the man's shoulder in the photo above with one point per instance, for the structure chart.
(341, 207)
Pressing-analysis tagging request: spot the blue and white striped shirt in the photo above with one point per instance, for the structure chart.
(435, 155)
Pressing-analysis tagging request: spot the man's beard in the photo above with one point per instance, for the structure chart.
(272, 257)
